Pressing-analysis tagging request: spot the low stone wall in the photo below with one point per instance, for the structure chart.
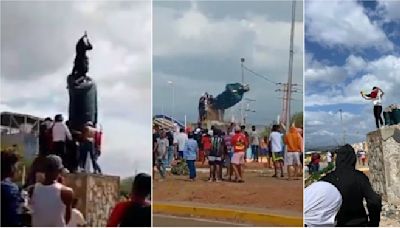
(97, 195)
(384, 162)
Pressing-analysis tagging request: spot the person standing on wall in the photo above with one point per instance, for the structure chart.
(60, 135)
(376, 96)
(87, 147)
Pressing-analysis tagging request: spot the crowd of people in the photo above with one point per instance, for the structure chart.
(52, 204)
(227, 149)
(74, 147)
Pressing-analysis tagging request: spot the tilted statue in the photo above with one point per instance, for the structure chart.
(215, 107)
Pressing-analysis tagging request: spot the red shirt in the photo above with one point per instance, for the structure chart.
(206, 141)
(238, 142)
(315, 158)
(119, 211)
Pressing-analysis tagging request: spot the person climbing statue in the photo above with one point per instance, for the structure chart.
(376, 97)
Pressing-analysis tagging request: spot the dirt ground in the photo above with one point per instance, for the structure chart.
(260, 191)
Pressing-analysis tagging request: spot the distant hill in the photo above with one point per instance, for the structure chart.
(126, 186)
(321, 148)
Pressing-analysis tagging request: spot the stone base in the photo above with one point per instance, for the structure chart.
(97, 195)
(384, 162)
(215, 114)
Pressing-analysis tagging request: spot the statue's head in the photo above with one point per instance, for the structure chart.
(83, 45)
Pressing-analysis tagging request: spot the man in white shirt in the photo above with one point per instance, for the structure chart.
(180, 141)
(255, 142)
(61, 134)
(51, 200)
(275, 145)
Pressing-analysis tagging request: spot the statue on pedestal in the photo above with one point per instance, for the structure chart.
(82, 89)
(213, 108)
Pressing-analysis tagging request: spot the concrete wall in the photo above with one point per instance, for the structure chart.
(97, 195)
(384, 162)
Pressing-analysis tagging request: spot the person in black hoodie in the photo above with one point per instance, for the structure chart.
(354, 186)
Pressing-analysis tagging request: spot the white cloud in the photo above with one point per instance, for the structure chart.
(192, 33)
(343, 24)
(318, 72)
(389, 9)
(324, 128)
(383, 72)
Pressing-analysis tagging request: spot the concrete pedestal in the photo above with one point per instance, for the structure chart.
(97, 195)
(384, 162)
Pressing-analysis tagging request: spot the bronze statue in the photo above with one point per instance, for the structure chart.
(213, 108)
(82, 88)
(81, 62)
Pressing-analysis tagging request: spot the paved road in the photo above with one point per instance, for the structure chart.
(168, 221)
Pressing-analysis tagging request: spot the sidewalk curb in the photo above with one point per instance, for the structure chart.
(255, 218)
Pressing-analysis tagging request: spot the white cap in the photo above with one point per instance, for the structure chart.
(237, 128)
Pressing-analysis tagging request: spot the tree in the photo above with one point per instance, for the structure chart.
(297, 119)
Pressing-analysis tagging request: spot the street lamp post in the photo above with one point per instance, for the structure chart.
(173, 98)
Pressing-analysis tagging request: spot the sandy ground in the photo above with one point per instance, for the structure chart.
(260, 192)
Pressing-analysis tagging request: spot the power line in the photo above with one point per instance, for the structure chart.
(259, 75)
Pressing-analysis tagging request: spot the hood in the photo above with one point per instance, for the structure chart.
(346, 157)
(293, 130)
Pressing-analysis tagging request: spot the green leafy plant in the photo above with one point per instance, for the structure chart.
(180, 168)
(316, 176)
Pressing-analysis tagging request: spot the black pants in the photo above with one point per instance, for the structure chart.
(60, 150)
(87, 147)
(378, 115)
(254, 151)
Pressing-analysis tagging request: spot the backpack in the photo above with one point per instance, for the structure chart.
(216, 145)
(136, 215)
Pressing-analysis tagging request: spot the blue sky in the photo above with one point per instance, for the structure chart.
(349, 46)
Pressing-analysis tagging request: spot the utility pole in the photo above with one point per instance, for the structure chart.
(290, 73)
(242, 108)
(173, 98)
(285, 116)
